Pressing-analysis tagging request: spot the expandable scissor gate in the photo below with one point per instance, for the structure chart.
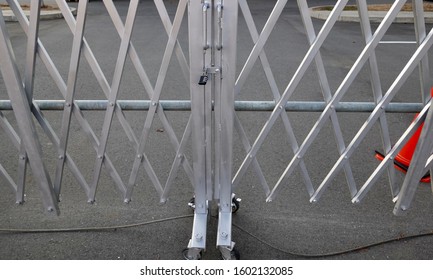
(210, 73)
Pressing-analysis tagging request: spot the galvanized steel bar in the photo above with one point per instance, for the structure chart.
(70, 93)
(356, 68)
(35, 110)
(10, 131)
(420, 34)
(50, 133)
(259, 44)
(114, 91)
(416, 169)
(256, 165)
(241, 106)
(306, 62)
(179, 158)
(376, 86)
(18, 97)
(327, 95)
(392, 91)
(166, 21)
(29, 74)
(149, 89)
(155, 99)
(102, 81)
(196, 58)
(276, 95)
(389, 157)
(9, 179)
(225, 97)
(16, 141)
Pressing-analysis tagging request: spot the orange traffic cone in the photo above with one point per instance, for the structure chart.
(404, 157)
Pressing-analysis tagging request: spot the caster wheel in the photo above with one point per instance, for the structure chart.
(191, 203)
(233, 255)
(192, 254)
(235, 204)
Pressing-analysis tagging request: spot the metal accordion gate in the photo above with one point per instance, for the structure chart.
(214, 84)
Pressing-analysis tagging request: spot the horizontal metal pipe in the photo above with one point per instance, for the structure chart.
(185, 105)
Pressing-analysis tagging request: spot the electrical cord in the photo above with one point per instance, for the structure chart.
(337, 253)
(95, 228)
(331, 254)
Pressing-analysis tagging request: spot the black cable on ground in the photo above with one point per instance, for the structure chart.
(95, 228)
(337, 253)
(352, 250)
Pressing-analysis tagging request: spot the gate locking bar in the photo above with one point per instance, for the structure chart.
(206, 6)
(205, 76)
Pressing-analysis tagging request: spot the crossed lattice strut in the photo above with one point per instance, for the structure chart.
(67, 89)
(21, 97)
(419, 58)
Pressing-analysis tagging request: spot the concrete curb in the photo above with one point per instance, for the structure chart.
(45, 15)
(375, 16)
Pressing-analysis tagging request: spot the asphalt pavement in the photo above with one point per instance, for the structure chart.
(289, 227)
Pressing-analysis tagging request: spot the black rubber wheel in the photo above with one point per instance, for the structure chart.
(186, 257)
(235, 205)
(234, 255)
(191, 203)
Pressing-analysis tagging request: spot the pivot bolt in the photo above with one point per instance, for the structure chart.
(224, 235)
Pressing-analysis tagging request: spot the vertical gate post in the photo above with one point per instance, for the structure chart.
(212, 47)
(197, 17)
(227, 12)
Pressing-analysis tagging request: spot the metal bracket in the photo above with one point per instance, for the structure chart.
(213, 70)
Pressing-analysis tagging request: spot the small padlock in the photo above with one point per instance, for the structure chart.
(203, 79)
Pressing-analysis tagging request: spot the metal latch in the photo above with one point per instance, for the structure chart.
(205, 76)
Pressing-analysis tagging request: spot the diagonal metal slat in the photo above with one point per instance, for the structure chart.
(417, 167)
(10, 131)
(23, 116)
(389, 158)
(377, 90)
(62, 85)
(114, 91)
(179, 158)
(309, 57)
(8, 178)
(70, 92)
(420, 34)
(29, 73)
(404, 74)
(16, 141)
(156, 95)
(144, 78)
(356, 68)
(49, 131)
(106, 89)
(276, 95)
(326, 92)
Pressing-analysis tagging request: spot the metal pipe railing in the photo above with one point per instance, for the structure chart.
(185, 105)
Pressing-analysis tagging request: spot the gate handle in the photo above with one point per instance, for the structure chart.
(219, 45)
(206, 7)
